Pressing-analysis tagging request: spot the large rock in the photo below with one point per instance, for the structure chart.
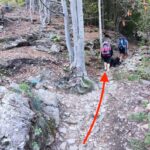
(21, 125)
(15, 121)
(16, 43)
(49, 104)
(43, 48)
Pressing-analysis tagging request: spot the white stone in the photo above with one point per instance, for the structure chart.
(74, 147)
(63, 130)
(145, 126)
(71, 141)
(148, 107)
(63, 146)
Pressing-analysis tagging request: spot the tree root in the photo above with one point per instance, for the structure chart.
(78, 85)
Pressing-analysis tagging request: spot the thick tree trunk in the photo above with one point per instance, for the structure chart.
(67, 34)
(82, 84)
(73, 8)
(80, 51)
(78, 34)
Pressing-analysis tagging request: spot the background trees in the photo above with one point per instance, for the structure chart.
(125, 16)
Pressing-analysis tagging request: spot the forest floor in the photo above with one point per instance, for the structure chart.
(123, 123)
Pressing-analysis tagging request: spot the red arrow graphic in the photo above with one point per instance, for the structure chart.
(103, 79)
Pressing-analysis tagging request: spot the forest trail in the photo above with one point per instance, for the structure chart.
(125, 94)
(113, 129)
(121, 99)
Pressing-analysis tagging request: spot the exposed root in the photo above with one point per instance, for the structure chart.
(78, 85)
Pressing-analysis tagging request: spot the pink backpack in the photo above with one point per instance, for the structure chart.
(106, 49)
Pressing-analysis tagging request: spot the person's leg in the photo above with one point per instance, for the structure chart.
(122, 52)
(108, 63)
(125, 55)
(108, 67)
(105, 66)
(121, 57)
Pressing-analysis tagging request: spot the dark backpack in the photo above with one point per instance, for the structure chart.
(106, 49)
(122, 43)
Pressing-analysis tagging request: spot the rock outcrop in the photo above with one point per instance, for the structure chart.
(28, 120)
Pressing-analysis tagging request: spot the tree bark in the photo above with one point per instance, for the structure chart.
(100, 23)
(78, 34)
(67, 34)
(80, 49)
(82, 83)
(73, 8)
(103, 15)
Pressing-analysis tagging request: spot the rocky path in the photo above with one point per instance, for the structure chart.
(77, 115)
(113, 129)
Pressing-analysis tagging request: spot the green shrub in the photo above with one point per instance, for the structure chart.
(137, 144)
(138, 117)
(24, 87)
(35, 146)
(147, 139)
(145, 103)
(55, 38)
(133, 77)
(37, 131)
(119, 75)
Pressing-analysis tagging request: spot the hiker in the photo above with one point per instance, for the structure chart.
(123, 48)
(106, 54)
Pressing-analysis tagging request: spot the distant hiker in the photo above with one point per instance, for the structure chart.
(106, 54)
(123, 48)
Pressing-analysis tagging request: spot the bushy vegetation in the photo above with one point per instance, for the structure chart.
(18, 2)
(139, 117)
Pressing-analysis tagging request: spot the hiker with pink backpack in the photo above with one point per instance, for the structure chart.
(106, 54)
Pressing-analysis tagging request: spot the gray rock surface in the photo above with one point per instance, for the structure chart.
(49, 104)
(15, 121)
(16, 43)
(17, 130)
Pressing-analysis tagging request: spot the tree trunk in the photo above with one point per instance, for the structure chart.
(67, 34)
(82, 83)
(78, 34)
(103, 15)
(80, 50)
(31, 10)
(73, 8)
(100, 23)
(43, 15)
(49, 12)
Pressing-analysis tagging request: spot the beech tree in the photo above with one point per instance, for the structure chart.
(67, 34)
(76, 7)
(44, 11)
(76, 52)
